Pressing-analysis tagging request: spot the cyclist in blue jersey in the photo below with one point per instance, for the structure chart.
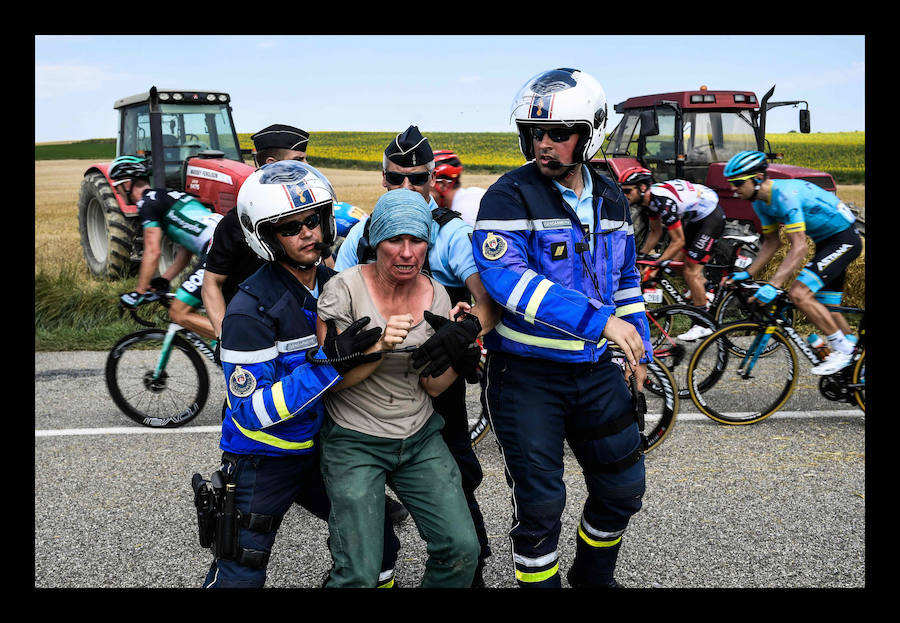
(270, 433)
(179, 217)
(803, 209)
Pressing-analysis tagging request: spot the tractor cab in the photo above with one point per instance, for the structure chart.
(690, 135)
(169, 126)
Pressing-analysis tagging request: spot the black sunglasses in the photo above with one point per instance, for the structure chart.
(416, 179)
(739, 183)
(295, 227)
(557, 135)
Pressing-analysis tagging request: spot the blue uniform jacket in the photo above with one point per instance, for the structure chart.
(274, 395)
(532, 253)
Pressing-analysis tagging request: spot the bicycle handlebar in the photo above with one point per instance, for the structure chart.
(164, 299)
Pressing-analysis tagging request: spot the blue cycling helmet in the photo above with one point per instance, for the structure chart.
(745, 164)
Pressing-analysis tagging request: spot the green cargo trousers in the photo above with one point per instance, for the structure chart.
(423, 474)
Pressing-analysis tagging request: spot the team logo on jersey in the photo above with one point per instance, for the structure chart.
(242, 382)
(541, 106)
(493, 247)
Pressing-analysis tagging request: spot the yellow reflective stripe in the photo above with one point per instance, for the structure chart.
(630, 309)
(271, 440)
(543, 342)
(792, 227)
(278, 400)
(387, 584)
(536, 298)
(594, 542)
(537, 576)
(768, 229)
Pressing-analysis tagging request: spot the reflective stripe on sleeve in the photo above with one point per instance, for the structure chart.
(536, 298)
(248, 356)
(542, 342)
(633, 308)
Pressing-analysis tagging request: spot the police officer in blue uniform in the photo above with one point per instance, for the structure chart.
(274, 394)
(408, 162)
(554, 245)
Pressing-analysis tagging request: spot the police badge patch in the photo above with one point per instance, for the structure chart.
(241, 383)
(493, 247)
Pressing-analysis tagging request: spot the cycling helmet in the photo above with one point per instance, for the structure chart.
(635, 175)
(125, 168)
(562, 96)
(745, 164)
(277, 190)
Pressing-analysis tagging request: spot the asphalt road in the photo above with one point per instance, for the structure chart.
(778, 504)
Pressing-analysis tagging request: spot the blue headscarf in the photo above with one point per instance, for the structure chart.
(397, 212)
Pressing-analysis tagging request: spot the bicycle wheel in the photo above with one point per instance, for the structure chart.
(858, 379)
(175, 398)
(666, 324)
(740, 397)
(661, 393)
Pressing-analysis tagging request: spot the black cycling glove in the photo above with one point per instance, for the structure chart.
(160, 284)
(345, 351)
(448, 346)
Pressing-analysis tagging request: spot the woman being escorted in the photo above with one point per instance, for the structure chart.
(382, 427)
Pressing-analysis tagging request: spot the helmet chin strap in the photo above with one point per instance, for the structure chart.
(282, 256)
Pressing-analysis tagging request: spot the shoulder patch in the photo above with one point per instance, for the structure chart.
(493, 247)
(241, 383)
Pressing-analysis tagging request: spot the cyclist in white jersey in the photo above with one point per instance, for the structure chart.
(448, 191)
(694, 220)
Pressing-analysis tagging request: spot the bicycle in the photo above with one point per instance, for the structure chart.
(158, 377)
(754, 363)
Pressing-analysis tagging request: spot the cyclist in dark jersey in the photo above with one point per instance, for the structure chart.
(185, 221)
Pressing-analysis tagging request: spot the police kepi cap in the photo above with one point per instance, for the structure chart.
(409, 149)
(282, 137)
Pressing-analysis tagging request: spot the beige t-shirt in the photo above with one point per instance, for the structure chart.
(391, 402)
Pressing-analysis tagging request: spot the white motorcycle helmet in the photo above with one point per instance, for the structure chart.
(562, 96)
(278, 190)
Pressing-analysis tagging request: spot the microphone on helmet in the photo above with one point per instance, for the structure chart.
(556, 164)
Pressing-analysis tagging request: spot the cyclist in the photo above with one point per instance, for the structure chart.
(181, 218)
(694, 220)
(448, 191)
(269, 442)
(408, 162)
(554, 245)
(804, 209)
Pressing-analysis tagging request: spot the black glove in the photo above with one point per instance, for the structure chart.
(467, 366)
(448, 346)
(347, 348)
(160, 284)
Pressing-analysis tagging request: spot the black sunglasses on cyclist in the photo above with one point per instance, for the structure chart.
(739, 183)
(557, 135)
(416, 179)
(295, 227)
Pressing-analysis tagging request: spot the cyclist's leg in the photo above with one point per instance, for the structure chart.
(183, 309)
(700, 238)
(821, 283)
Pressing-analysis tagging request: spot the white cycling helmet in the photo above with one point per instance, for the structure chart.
(562, 96)
(275, 191)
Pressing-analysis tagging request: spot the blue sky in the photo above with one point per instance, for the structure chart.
(447, 83)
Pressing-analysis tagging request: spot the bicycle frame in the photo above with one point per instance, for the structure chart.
(773, 317)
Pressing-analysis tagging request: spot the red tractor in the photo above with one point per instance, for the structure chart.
(691, 135)
(190, 140)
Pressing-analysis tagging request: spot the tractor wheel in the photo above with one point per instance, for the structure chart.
(107, 235)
